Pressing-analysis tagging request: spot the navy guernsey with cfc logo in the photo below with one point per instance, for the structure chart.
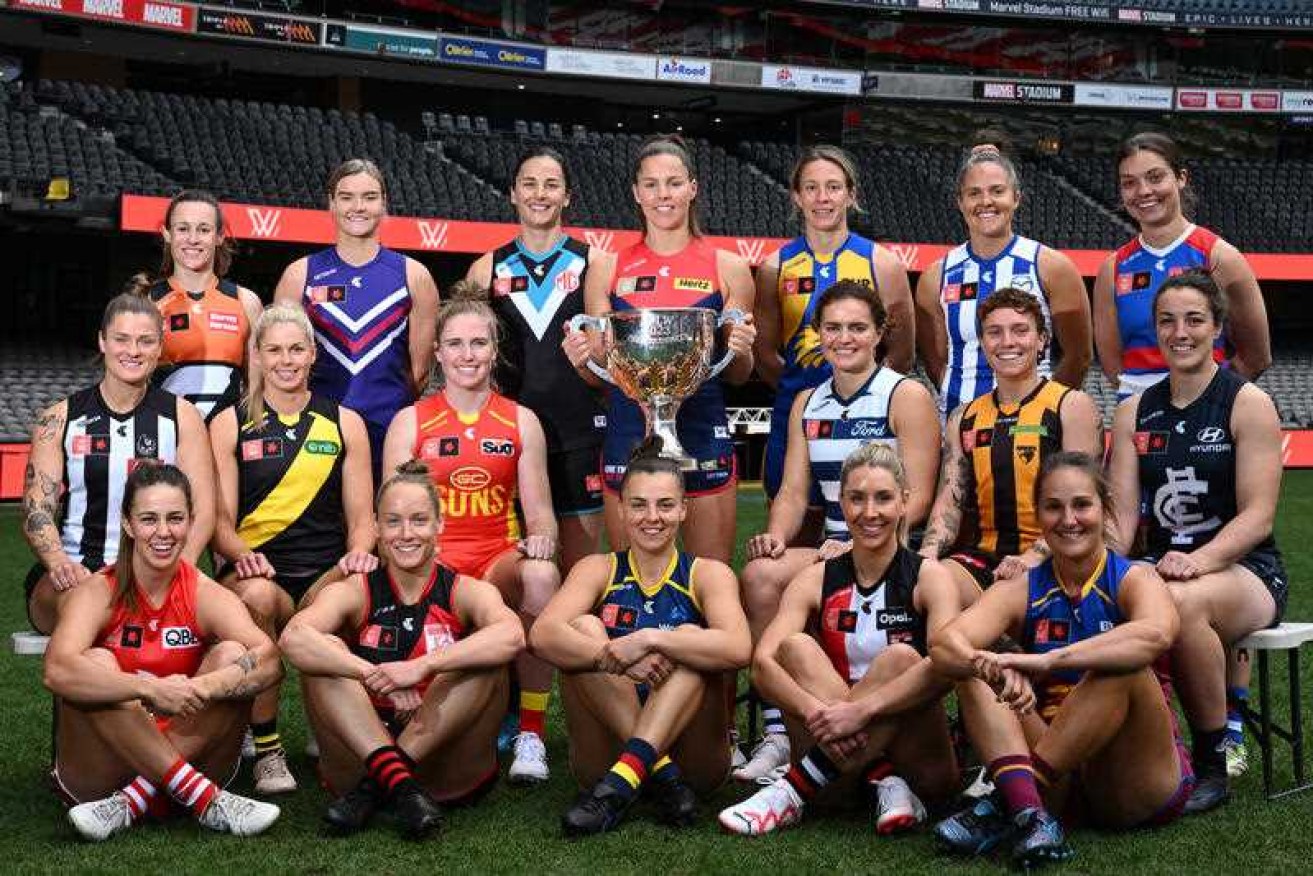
(628, 604)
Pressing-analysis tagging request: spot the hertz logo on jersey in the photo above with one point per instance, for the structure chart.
(693, 284)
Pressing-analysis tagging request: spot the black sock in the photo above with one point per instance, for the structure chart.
(1206, 750)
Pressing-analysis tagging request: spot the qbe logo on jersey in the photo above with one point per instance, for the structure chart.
(175, 638)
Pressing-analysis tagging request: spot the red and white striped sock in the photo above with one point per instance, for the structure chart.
(140, 793)
(190, 787)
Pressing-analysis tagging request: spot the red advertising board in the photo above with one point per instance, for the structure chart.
(163, 14)
(291, 225)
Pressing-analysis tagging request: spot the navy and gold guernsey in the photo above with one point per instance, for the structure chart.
(290, 490)
(534, 295)
(629, 605)
(1004, 447)
(804, 276)
(1055, 620)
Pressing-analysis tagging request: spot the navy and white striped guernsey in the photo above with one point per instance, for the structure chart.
(836, 426)
(968, 280)
(101, 448)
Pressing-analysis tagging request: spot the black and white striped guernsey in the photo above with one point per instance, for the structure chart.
(100, 448)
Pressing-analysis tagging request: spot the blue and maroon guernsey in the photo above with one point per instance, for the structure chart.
(1139, 270)
(361, 317)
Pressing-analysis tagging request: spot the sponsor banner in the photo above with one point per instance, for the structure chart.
(671, 68)
(382, 41)
(811, 79)
(263, 28)
(1075, 10)
(998, 91)
(614, 65)
(1228, 100)
(1145, 97)
(1297, 101)
(163, 14)
(291, 225)
(482, 53)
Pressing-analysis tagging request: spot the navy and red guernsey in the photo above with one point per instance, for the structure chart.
(857, 623)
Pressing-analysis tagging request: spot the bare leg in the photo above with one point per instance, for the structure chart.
(967, 588)
(614, 520)
(43, 605)
(453, 736)
(581, 535)
(763, 583)
(270, 608)
(347, 726)
(527, 585)
(709, 528)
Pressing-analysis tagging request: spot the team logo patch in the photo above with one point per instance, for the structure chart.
(1050, 631)
(146, 446)
(497, 447)
(470, 478)
(501, 286)
(593, 483)
(692, 284)
(179, 322)
(449, 446)
(322, 448)
(1027, 453)
(175, 638)
(846, 622)
(1150, 442)
(645, 284)
(1141, 280)
(567, 281)
(224, 322)
(952, 293)
(267, 448)
(324, 294)
(130, 637)
(519, 284)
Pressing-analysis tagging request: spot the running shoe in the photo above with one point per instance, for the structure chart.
(530, 764)
(1211, 790)
(98, 820)
(597, 811)
(1039, 839)
(237, 815)
(976, 830)
(770, 755)
(773, 808)
(1237, 758)
(272, 775)
(353, 810)
(897, 808)
(675, 802)
(417, 814)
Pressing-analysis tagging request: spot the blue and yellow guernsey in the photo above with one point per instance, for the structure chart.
(629, 605)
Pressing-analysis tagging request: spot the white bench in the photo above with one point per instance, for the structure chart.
(1288, 637)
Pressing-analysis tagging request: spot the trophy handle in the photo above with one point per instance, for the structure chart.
(582, 322)
(733, 315)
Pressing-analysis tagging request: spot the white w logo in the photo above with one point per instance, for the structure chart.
(600, 239)
(906, 253)
(432, 235)
(264, 223)
(752, 250)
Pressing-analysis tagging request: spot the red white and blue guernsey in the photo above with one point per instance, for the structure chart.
(967, 280)
(1138, 271)
(361, 316)
(857, 623)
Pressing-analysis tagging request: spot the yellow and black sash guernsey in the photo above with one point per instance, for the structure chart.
(290, 487)
(1004, 447)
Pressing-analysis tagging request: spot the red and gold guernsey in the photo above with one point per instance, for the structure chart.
(474, 461)
(161, 641)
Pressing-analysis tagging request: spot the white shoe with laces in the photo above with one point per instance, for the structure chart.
(98, 820)
(237, 815)
(1237, 758)
(773, 808)
(897, 807)
(272, 775)
(530, 764)
(248, 745)
(770, 754)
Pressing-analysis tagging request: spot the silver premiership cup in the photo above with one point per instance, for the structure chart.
(659, 356)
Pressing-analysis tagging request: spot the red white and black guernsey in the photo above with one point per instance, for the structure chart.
(857, 623)
(394, 630)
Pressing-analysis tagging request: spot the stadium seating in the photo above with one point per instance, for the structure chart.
(33, 377)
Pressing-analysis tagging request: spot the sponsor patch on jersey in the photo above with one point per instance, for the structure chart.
(1125, 284)
(626, 286)
(497, 447)
(969, 291)
(501, 286)
(891, 618)
(262, 448)
(846, 622)
(379, 637)
(90, 445)
(692, 284)
(175, 638)
(1050, 631)
(645, 284)
(619, 617)
(130, 637)
(322, 448)
(448, 446)
(1029, 429)
(1150, 442)
(567, 281)
(593, 483)
(1141, 280)
(225, 322)
(817, 429)
(519, 284)
(324, 294)
(977, 438)
(179, 322)
(952, 292)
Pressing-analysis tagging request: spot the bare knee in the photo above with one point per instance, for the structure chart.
(762, 585)
(539, 581)
(894, 660)
(260, 596)
(1190, 605)
(794, 651)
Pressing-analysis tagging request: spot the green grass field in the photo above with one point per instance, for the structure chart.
(517, 830)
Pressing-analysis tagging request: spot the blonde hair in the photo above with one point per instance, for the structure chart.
(416, 473)
(467, 297)
(877, 455)
(274, 314)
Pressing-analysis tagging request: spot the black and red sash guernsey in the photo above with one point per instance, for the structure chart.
(857, 623)
(393, 630)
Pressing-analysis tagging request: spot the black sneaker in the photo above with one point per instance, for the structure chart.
(976, 830)
(1039, 840)
(354, 809)
(417, 814)
(675, 802)
(598, 811)
(1211, 789)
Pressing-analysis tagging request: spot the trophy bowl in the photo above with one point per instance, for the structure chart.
(659, 356)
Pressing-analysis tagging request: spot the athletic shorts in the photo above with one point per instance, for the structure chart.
(1269, 568)
(714, 473)
(979, 564)
(576, 481)
(473, 558)
(296, 586)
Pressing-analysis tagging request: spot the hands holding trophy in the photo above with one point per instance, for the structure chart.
(659, 356)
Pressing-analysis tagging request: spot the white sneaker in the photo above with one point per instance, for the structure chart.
(897, 808)
(248, 745)
(99, 820)
(272, 775)
(736, 756)
(980, 787)
(237, 815)
(530, 764)
(311, 745)
(1237, 758)
(771, 753)
(773, 808)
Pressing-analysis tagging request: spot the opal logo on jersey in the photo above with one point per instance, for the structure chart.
(893, 617)
(264, 222)
(433, 235)
(174, 638)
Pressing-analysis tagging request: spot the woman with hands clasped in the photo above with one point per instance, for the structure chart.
(647, 641)
(153, 666)
(846, 657)
(1081, 700)
(405, 709)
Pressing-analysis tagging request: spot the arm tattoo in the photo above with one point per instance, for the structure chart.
(947, 516)
(243, 687)
(40, 507)
(47, 428)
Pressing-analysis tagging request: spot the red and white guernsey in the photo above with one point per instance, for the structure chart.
(160, 641)
(857, 623)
